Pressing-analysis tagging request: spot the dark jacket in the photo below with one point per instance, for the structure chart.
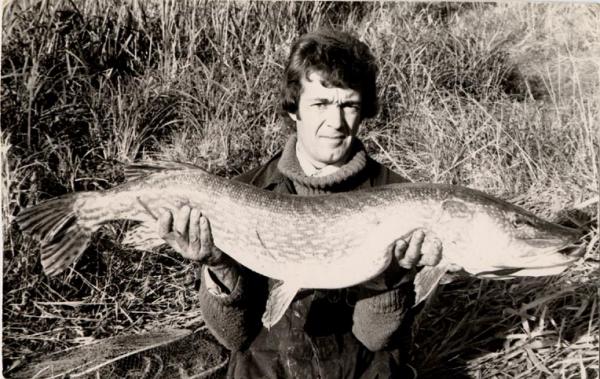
(324, 333)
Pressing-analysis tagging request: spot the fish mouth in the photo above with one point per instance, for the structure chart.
(516, 272)
(555, 243)
(545, 248)
(574, 251)
(557, 259)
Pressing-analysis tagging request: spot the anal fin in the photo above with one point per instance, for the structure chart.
(280, 298)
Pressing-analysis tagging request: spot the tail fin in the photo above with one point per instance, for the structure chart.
(55, 224)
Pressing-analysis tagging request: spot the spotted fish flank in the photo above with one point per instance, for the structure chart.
(328, 241)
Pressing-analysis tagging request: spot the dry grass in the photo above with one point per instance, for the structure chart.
(504, 98)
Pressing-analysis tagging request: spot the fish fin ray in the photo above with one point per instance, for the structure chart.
(56, 225)
(142, 237)
(142, 169)
(63, 253)
(63, 223)
(43, 215)
(279, 300)
(427, 280)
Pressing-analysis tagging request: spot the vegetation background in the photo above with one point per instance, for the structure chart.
(499, 97)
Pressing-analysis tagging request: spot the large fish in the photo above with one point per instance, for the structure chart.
(329, 241)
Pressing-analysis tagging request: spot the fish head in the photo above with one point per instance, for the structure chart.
(491, 238)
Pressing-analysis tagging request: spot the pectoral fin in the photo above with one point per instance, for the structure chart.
(280, 298)
(143, 237)
(427, 280)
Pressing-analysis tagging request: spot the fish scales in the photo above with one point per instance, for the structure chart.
(326, 241)
(258, 221)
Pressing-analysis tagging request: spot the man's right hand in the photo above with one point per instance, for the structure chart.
(188, 232)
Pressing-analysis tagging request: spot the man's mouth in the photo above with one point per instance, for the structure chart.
(336, 137)
(333, 140)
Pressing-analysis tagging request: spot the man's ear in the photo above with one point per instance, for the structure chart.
(293, 116)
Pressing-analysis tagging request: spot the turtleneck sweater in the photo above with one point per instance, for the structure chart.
(341, 179)
(382, 317)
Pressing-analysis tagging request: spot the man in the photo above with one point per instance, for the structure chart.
(364, 331)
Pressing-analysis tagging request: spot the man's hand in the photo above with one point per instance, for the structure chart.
(408, 253)
(417, 251)
(188, 232)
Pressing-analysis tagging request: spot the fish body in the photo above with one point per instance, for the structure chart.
(326, 241)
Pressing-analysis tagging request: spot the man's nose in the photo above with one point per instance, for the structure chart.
(335, 117)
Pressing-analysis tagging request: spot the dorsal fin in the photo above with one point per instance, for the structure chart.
(141, 169)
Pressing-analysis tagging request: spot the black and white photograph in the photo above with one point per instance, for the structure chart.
(300, 189)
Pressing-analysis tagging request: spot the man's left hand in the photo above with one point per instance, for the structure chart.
(408, 253)
(417, 251)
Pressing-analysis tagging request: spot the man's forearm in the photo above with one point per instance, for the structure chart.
(378, 317)
(232, 300)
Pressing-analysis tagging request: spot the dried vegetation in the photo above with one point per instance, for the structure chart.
(503, 98)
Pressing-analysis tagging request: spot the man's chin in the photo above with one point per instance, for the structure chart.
(332, 158)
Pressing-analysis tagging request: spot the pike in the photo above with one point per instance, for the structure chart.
(326, 242)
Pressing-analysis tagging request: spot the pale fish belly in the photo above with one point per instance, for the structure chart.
(330, 242)
(320, 244)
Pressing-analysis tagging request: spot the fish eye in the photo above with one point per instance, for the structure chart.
(520, 222)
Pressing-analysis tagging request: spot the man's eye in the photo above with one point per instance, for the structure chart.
(319, 105)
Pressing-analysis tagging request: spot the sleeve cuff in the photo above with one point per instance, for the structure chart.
(220, 291)
(390, 301)
(212, 287)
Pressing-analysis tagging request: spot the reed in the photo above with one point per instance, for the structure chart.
(503, 98)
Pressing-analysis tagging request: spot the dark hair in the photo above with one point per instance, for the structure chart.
(342, 59)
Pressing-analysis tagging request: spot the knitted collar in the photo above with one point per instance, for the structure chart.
(289, 166)
(310, 169)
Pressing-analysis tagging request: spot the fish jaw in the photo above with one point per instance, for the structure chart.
(527, 258)
(515, 272)
(531, 272)
(552, 250)
(551, 260)
(487, 242)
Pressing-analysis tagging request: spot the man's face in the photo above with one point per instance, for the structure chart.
(327, 119)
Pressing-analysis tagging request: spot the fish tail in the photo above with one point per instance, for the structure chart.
(62, 235)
